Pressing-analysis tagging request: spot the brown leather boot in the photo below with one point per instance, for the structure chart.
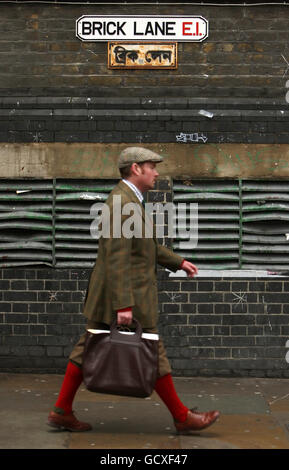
(67, 422)
(196, 421)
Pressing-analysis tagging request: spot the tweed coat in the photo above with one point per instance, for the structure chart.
(124, 274)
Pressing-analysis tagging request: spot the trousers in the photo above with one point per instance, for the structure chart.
(76, 354)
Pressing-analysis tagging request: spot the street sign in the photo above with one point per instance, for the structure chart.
(142, 28)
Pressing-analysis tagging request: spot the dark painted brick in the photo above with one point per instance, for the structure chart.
(54, 307)
(204, 331)
(222, 308)
(163, 184)
(35, 285)
(222, 352)
(238, 330)
(256, 286)
(36, 351)
(188, 286)
(5, 307)
(76, 297)
(45, 274)
(205, 286)
(188, 308)
(208, 297)
(238, 319)
(70, 285)
(286, 286)
(6, 329)
(205, 308)
(82, 285)
(274, 308)
(238, 341)
(239, 308)
(68, 307)
(17, 318)
(171, 308)
(20, 296)
(277, 297)
(4, 285)
(222, 286)
(36, 307)
(37, 330)
(270, 341)
(222, 330)
(274, 286)
(20, 307)
(256, 308)
(21, 330)
(286, 308)
(13, 273)
(80, 274)
(273, 352)
(169, 286)
(19, 340)
(255, 330)
(239, 286)
(52, 285)
(18, 285)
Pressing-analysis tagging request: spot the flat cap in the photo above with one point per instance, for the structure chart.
(132, 155)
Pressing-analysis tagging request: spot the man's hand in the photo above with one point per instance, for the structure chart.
(190, 268)
(124, 316)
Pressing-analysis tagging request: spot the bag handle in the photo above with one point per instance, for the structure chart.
(116, 335)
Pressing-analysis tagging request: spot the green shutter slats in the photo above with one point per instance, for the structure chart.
(206, 186)
(48, 221)
(26, 223)
(266, 216)
(253, 215)
(74, 245)
(25, 196)
(241, 223)
(218, 223)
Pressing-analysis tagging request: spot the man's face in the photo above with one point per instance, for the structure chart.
(147, 176)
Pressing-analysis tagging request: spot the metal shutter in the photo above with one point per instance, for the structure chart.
(265, 222)
(218, 222)
(74, 245)
(26, 222)
(48, 221)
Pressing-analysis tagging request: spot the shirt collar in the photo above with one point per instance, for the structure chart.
(135, 190)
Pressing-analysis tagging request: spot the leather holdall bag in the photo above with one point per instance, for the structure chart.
(120, 362)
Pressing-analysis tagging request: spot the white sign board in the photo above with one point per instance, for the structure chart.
(142, 28)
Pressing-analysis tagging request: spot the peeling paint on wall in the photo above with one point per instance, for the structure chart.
(84, 160)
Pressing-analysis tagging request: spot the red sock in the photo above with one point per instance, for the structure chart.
(71, 382)
(166, 390)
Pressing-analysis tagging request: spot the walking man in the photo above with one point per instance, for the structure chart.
(123, 285)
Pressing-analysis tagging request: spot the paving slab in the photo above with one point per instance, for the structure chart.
(240, 432)
(254, 415)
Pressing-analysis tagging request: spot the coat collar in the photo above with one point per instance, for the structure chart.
(129, 192)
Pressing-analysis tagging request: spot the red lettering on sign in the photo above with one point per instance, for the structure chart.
(186, 29)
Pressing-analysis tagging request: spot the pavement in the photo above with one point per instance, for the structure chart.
(254, 415)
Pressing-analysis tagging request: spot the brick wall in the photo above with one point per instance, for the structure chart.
(226, 326)
(241, 57)
(212, 326)
(142, 120)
